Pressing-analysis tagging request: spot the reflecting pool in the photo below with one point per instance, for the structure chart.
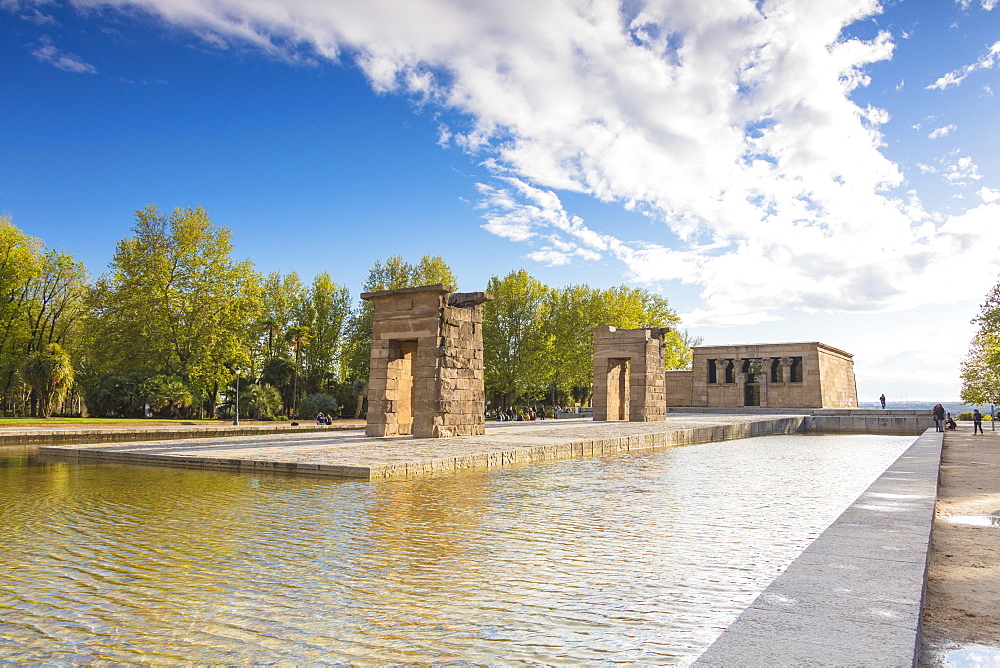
(640, 558)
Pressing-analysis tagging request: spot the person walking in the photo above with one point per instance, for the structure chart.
(977, 422)
(882, 399)
(938, 413)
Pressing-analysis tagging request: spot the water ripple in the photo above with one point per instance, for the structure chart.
(632, 558)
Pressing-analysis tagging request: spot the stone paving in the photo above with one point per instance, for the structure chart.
(354, 455)
(854, 596)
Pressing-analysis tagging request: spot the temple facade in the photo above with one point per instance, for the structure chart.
(774, 375)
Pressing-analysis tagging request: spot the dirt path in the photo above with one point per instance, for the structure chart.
(963, 590)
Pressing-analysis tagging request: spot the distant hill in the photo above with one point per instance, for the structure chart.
(954, 407)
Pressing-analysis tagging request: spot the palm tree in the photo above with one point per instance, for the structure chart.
(360, 391)
(49, 372)
(298, 336)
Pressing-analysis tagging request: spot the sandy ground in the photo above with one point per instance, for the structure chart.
(963, 591)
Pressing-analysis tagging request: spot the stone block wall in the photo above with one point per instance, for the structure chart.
(679, 387)
(836, 372)
(426, 375)
(629, 379)
(809, 375)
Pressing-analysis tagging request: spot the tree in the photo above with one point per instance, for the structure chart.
(56, 303)
(514, 341)
(259, 401)
(49, 373)
(359, 390)
(298, 337)
(324, 311)
(393, 274)
(20, 265)
(168, 395)
(980, 370)
(570, 363)
(174, 302)
(281, 304)
(432, 270)
(278, 372)
(678, 353)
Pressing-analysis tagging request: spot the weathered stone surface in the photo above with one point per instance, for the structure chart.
(426, 363)
(628, 374)
(779, 375)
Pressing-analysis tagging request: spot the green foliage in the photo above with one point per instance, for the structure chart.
(536, 343)
(514, 340)
(259, 402)
(359, 390)
(281, 304)
(174, 302)
(175, 315)
(324, 313)
(167, 396)
(318, 403)
(118, 396)
(40, 303)
(393, 274)
(980, 370)
(49, 373)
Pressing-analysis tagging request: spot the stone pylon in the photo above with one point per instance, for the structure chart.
(426, 375)
(629, 378)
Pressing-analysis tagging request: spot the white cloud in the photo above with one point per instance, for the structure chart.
(962, 171)
(989, 195)
(46, 52)
(926, 169)
(731, 122)
(986, 61)
(942, 131)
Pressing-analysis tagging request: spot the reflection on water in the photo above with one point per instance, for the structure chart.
(641, 558)
(974, 520)
(965, 656)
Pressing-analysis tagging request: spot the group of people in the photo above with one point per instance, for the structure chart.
(323, 419)
(941, 422)
(944, 421)
(523, 414)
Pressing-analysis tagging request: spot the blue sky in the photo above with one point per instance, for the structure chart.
(781, 171)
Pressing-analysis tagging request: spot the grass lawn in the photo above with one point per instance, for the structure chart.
(66, 420)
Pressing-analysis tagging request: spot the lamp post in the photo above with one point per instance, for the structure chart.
(237, 420)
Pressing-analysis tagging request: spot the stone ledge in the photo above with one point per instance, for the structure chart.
(855, 595)
(350, 454)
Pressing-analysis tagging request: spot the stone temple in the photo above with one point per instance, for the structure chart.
(426, 375)
(774, 375)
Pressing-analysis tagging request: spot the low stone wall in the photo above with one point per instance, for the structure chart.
(868, 421)
(81, 436)
(355, 456)
(855, 596)
(837, 420)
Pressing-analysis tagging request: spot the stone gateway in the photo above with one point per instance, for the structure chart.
(426, 375)
(629, 379)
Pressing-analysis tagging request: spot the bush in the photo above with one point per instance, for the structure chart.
(965, 417)
(317, 403)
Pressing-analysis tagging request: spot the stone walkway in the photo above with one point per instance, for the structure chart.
(352, 454)
(854, 596)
